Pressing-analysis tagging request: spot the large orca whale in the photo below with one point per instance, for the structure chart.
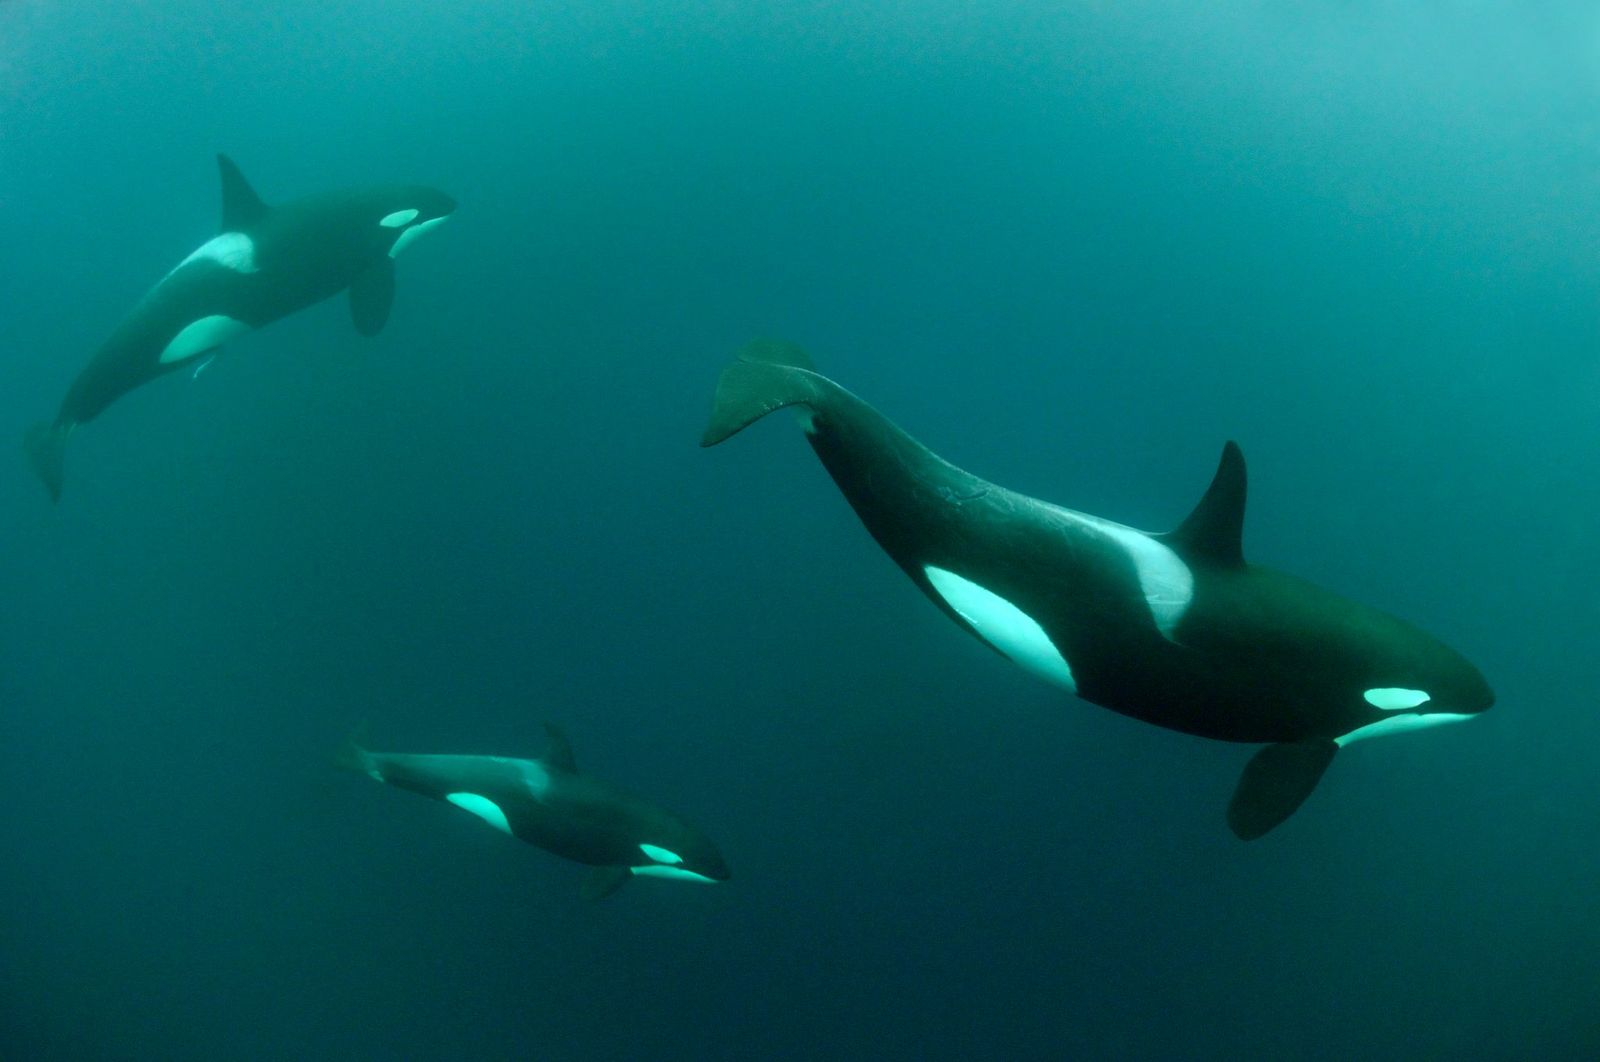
(266, 263)
(547, 803)
(1175, 629)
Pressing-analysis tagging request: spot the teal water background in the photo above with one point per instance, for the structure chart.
(1072, 247)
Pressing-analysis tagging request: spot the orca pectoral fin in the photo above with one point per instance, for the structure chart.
(1275, 783)
(603, 881)
(371, 295)
(46, 447)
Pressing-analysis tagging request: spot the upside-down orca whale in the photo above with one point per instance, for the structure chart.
(1175, 629)
(266, 263)
(547, 803)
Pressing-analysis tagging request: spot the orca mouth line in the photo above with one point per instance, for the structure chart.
(1400, 722)
(673, 874)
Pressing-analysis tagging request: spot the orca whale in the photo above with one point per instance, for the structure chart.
(1174, 629)
(549, 804)
(266, 263)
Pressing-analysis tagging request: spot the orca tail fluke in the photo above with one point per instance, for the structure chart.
(769, 375)
(352, 755)
(46, 446)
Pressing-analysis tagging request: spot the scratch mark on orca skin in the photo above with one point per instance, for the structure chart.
(956, 497)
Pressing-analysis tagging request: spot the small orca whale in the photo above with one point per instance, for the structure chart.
(547, 803)
(266, 263)
(1174, 629)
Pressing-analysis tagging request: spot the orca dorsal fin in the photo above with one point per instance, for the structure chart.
(1214, 531)
(558, 750)
(241, 207)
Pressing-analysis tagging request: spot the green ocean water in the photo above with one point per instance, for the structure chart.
(1072, 247)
